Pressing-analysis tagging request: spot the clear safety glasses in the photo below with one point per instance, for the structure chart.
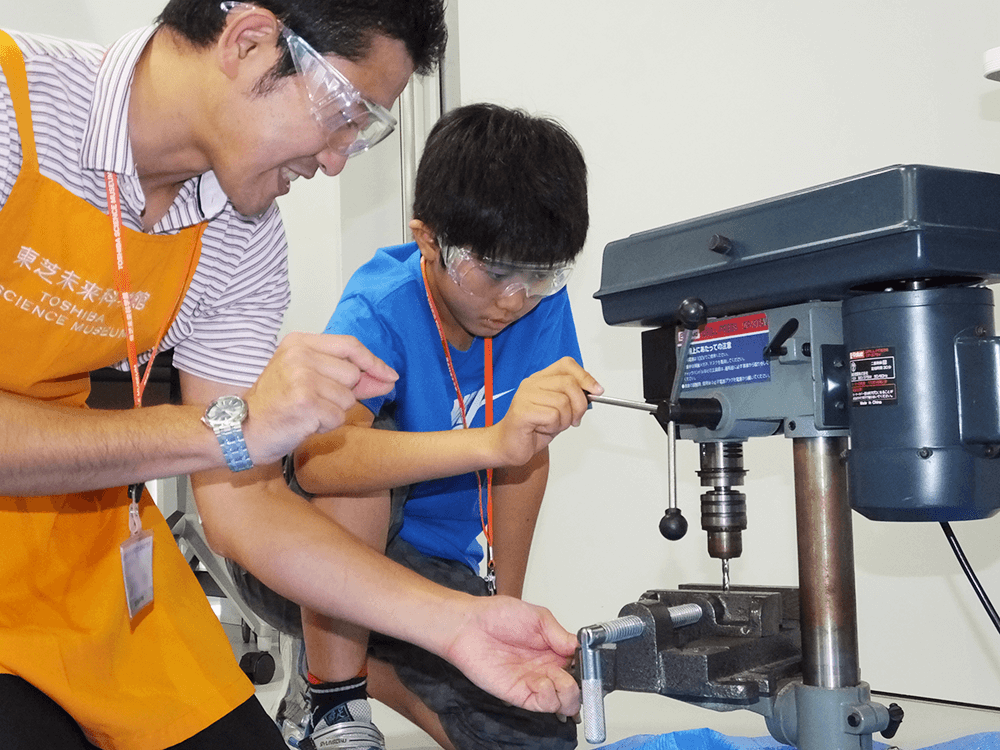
(488, 278)
(352, 123)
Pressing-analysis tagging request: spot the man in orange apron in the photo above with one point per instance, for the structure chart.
(137, 211)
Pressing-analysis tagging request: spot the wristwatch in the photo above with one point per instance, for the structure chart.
(225, 416)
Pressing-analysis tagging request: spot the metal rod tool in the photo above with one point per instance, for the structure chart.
(641, 405)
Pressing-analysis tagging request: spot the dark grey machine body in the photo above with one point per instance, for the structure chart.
(865, 305)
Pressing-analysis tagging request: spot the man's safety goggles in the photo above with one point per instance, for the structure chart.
(352, 123)
(488, 278)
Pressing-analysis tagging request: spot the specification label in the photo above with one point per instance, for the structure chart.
(873, 376)
(729, 352)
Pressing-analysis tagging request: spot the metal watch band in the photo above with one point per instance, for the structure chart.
(234, 448)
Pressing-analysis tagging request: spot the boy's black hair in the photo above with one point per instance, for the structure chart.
(340, 27)
(504, 184)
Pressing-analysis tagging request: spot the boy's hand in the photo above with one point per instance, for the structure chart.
(545, 404)
(519, 653)
(309, 385)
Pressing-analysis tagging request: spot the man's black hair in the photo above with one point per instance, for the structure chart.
(504, 184)
(340, 27)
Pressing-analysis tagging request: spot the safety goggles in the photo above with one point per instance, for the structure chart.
(489, 278)
(353, 124)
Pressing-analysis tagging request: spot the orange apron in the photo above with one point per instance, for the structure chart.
(64, 624)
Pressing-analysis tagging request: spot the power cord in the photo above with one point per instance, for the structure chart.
(971, 575)
(990, 611)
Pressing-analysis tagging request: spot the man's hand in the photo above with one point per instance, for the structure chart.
(308, 387)
(545, 404)
(517, 652)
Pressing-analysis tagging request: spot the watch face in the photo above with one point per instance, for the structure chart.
(228, 409)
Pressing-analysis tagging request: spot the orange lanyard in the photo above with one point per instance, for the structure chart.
(122, 284)
(485, 518)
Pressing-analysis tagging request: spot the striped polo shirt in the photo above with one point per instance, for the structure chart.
(227, 327)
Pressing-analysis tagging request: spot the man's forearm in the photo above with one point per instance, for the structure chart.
(511, 649)
(47, 449)
(306, 388)
(301, 554)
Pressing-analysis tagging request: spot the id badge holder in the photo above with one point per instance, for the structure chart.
(137, 559)
(491, 575)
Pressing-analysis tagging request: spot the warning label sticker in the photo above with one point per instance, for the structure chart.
(873, 377)
(729, 351)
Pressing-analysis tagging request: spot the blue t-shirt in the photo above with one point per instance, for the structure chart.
(385, 306)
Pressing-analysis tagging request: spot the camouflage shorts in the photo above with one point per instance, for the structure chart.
(471, 717)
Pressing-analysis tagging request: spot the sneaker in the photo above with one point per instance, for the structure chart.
(347, 726)
(292, 716)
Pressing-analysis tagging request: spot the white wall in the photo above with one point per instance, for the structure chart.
(684, 109)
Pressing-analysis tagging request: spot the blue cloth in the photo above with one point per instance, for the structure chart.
(708, 739)
(384, 305)
(695, 739)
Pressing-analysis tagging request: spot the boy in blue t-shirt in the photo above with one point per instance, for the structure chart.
(475, 318)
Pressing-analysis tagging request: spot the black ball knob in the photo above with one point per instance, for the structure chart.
(692, 314)
(673, 525)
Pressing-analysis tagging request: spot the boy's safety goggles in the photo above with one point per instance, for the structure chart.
(490, 278)
(353, 124)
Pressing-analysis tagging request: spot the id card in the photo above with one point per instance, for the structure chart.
(137, 570)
